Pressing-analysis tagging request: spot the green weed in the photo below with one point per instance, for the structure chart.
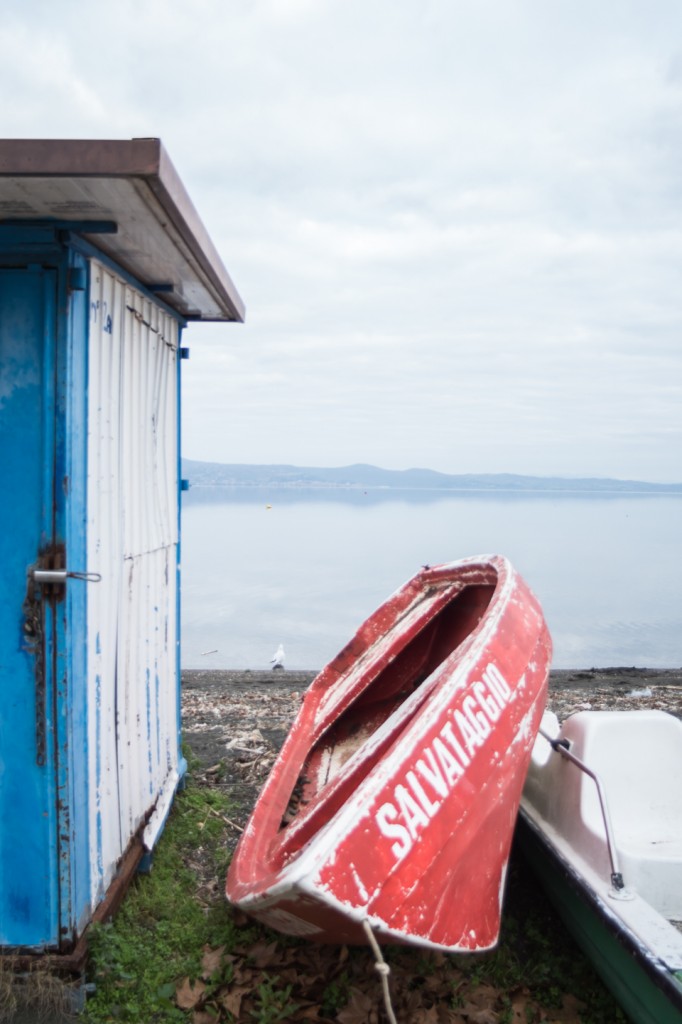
(335, 995)
(273, 1004)
(162, 927)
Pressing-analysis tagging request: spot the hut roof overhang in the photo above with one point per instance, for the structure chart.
(130, 195)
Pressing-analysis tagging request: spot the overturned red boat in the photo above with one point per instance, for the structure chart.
(394, 798)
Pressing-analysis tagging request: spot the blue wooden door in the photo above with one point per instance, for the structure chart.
(29, 870)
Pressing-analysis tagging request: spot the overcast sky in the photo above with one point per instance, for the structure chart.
(456, 224)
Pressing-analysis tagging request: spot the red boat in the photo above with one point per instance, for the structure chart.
(394, 798)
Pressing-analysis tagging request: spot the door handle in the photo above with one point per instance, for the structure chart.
(52, 576)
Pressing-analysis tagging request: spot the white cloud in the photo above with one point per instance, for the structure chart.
(41, 87)
(456, 225)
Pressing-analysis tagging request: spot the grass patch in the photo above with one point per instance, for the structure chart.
(167, 919)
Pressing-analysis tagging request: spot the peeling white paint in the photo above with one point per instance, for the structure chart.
(132, 540)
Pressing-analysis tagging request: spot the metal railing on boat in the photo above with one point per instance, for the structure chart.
(562, 747)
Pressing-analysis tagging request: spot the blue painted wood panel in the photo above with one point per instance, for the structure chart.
(29, 899)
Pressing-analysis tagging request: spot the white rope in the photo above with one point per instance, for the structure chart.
(382, 969)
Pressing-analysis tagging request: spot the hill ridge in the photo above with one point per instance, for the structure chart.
(366, 476)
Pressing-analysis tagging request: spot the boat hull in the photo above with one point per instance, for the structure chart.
(648, 992)
(394, 798)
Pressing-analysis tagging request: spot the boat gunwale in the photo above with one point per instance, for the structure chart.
(478, 570)
(387, 734)
(403, 716)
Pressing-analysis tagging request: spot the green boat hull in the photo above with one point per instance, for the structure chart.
(647, 992)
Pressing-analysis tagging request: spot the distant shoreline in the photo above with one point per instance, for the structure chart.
(386, 489)
(365, 479)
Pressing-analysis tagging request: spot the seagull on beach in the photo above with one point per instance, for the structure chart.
(277, 660)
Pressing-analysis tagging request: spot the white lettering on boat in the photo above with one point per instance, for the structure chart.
(442, 762)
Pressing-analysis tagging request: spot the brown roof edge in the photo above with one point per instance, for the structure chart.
(101, 158)
(142, 159)
(166, 185)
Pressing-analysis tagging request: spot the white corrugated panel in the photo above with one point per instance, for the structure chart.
(132, 542)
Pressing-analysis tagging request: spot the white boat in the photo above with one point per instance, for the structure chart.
(601, 823)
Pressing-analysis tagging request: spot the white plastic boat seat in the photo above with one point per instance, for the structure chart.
(638, 757)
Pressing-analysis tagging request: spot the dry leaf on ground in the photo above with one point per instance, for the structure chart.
(211, 961)
(358, 1010)
(203, 1017)
(569, 1012)
(232, 1000)
(189, 994)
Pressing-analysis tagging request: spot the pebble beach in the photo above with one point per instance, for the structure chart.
(235, 722)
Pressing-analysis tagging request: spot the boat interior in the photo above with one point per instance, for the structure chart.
(360, 728)
(637, 757)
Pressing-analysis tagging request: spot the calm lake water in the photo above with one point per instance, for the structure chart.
(307, 571)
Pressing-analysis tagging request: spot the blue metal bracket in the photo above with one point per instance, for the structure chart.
(83, 227)
(78, 279)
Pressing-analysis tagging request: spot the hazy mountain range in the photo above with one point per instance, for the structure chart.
(364, 477)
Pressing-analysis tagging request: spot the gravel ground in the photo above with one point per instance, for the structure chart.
(235, 722)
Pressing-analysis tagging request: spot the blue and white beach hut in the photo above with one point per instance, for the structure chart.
(103, 260)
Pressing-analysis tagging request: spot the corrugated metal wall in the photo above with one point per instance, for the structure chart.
(132, 535)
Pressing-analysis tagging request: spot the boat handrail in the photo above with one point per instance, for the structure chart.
(562, 746)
